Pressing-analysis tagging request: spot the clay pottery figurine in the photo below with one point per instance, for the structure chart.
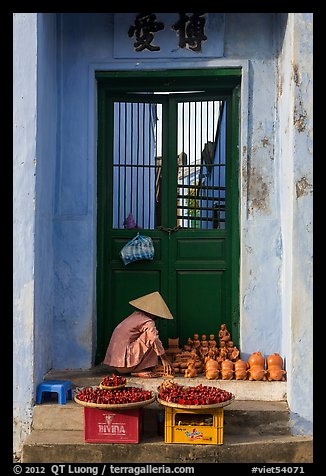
(191, 371)
(203, 347)
(241, 370)
(204, 341)
(211, 369)
(227, 369)
(229, 347)
(210, 355)
(275, 367)
(224, 334)
(176, 367)
(214, 350)
(233, 352)
(196, 341)
(188, 345)
(257, 366)
(223, 353)
(212, 342)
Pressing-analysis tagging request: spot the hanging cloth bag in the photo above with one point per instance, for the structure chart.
(139, 248)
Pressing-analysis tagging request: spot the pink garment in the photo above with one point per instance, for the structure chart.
(133, 340)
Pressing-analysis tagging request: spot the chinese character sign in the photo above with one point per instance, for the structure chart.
(168, 35)
(191, 30)
(143, 29)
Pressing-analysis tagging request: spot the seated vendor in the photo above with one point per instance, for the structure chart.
(135, 346)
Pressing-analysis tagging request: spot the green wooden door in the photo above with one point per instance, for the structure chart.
(167, 161)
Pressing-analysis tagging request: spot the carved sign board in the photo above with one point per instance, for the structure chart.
(168, 35)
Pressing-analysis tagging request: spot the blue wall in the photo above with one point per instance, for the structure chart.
(55, 125)
(87, 43)
(47, 96)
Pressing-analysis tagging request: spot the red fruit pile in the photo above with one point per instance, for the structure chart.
(113, 397)
(113, 381)
(199, 395)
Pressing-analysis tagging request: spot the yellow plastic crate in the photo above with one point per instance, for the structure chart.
(196, 427)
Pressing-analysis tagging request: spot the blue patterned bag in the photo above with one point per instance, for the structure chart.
(139, 248)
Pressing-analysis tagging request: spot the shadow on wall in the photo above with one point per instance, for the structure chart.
(282, 21)
(299, 425)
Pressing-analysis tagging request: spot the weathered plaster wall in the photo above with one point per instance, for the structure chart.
(35, 131)
(86, 44)
(267, 206)
(24, 166)
(275, 192)
(296, 168)
(45, 173)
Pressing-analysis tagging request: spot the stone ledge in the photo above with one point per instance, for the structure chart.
(69, 447)
(242, 389)
(254, 416)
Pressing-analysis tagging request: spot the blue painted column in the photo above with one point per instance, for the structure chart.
(24, 178)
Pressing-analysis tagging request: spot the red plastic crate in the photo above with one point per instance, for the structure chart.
(107, 426)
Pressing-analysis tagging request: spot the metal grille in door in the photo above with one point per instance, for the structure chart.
(137, 150)
(137, 164)
(201, 164)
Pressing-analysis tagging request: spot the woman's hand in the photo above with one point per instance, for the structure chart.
(167, 366)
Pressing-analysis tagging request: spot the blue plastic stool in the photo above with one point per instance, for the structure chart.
(61, 387)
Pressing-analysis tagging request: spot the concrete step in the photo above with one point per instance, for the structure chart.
(256, 428)
(48, 446)
(242, 389)
(249, 417)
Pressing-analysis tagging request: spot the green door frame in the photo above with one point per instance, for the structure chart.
(222, 81)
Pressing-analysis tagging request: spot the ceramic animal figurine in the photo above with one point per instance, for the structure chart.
(257, 366)
(227, 369)
(275, 368)
(191, 371)
(211, 369)
(241, 370)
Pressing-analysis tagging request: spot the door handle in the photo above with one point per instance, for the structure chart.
(168, 230)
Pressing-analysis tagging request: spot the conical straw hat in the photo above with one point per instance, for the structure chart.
(152, 303)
